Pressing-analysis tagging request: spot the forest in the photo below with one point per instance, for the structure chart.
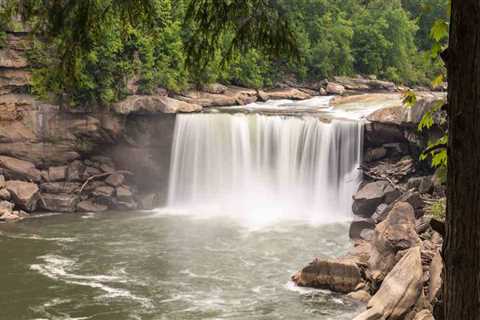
(388, 39)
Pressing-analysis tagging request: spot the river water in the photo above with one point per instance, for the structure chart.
(151, 265)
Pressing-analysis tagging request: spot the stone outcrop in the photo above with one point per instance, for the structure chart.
(361, 84)
(59, 202)
(399, 291)
(342, 275)
(153, 104)
(19, 169)
(24, 194)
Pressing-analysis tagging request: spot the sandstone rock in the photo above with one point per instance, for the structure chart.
(378, 134)
(149, 201)
(107, 168)
(369, 197)
(2, 181)
(424, 315)
(426, 185)
(59, 202)
(104, 191)
(60, 187)
(360, 295)
(363, 84)
(115, 179)
(7, 214)
(6, 207)
(4, 194)
(396, 233)
(399, 291)
(287, 93)
(341, 275)
(374, 154)
(335, 88)
(123, 194)
(153, 104)
(12, 59)
(24, 194)
(436, 268)
(91, 206)
(75, 171)
(19, 169)
(90, 172)
(358, 225)
(127, 205)
(57, 173)
(215, 88)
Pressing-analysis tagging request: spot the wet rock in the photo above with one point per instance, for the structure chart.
(335, 88)
(6, 207)
(91, 206)
(359, 225)
(396, 233)
(123, 194)
(149, 201)
(341, 275)
(115, 179)
(368, 198)
(4, 194)
(57, 173)
(75, 171)
(374, 154)
(103, 191)
(360, 295)
(19, 169)
(92, 185)
(7, 214)
(378, 134)
(24, 194)
(399, 291)
(127, 205)
(59, 202)
(60, 187)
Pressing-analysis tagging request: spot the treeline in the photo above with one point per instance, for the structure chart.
(390, 39)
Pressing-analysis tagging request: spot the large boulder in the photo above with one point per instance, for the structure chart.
(287, 93)
(395, 233)
(335, 88)
(370, 196)
(24, 194)
(341, 275)
(153, 104)
(435, 285)
(59, 202)
(399, 291)
(115, 179)
(57, 173)
(75, 171)
(91, 206)
(19, 169)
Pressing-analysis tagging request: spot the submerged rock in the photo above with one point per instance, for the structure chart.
(341, 275)
(24, 194)
(399, 291)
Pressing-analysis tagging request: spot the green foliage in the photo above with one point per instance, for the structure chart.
(437, 208)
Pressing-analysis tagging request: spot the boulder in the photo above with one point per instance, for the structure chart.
(287, 93)
(2, 181)
(340, 275)
(358, 227)
(127, 205)
(59, 202)
(360, 295)
(103, 191)
(60, 187)
(90, 206)
(4, 194)
(7, 214)
(24, 194)
(424, 315)
(123, 194)
(6, 207)
(12, 59)
(396, 233)
(367, 199)
(90, 172)
(75, 171)
(374, 154)
(19, 169)
(399, 291)
(435, 285)
(57, 173)
(115, 179)
(149, 201)
(153, 104)
(378, 134)
(335, 88)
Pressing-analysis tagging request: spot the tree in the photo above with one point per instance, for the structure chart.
(462, 243)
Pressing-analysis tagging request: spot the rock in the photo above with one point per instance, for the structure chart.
(115, 179)
(90, 172)
(107, 168)
(12, 59)
(215, 88)
(262, 96)
(358, 225)
(19, 169)
(8, 215)
(435, 285)
(127, 205)
(360, 295)
(75, 171)
(4, 194)
(426, 185)
(368, 198)
(149, 201)
(6, 207)
(322, 92)
(60, 187)
(57, 173)
(414, 182)
(103, 191)
(153, 104)
(59, 202)
(363, 84)
(24, 194)
(340, 275)
(123, 194)
(379, 134)
(424, 315)
(91, 206)
(335, 88)
(391, 194)
(287, 93)
(399, 291)
(2, 181)
(396, 233)
(374, 154)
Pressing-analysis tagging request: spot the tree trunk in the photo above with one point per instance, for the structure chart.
(462, 243)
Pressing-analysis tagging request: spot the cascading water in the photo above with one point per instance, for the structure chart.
(265, 167)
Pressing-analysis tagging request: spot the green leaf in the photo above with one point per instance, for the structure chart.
(439, 30)
(438, 81)
(409, 98)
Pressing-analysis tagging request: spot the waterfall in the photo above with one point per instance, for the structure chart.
(264, 166)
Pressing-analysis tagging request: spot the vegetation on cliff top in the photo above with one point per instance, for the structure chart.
(90, 51)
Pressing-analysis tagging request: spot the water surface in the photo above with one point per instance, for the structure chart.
(156, 266)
